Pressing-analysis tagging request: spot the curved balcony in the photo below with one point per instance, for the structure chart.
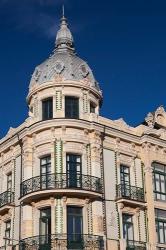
(130, 194)
(63, 241)
(6, 199)
(64, 183)
(139, 245)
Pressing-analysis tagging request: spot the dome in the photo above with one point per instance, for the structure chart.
(63, 62)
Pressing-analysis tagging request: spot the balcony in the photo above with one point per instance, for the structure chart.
(63, 241)
(6, 198)
(136, 245)
(130, 194)
(61, 183)
(161, 246)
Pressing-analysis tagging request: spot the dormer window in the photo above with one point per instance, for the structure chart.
(47, 109)
(71, 107)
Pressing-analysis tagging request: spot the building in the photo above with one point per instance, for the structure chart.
(71, 179)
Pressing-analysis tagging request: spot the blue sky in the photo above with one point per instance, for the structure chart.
(124, 42)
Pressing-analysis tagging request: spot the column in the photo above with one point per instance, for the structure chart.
(149, 195)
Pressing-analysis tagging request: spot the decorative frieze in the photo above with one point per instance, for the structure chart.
(58, 216)
(85, 103)
(58, 156)
(58, 100)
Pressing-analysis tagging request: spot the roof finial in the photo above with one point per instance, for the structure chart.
(63, 10)
(64, 38)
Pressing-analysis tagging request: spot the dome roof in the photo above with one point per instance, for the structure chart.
(63, 62)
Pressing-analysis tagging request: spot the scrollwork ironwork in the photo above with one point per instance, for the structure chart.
(136, 245)
(6, 198)
(61, 181)
(130, 192)
(63, 242)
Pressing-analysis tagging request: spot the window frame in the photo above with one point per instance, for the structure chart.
(75, 238)
(123, 182)
(74, 178)
(7, 230)
(159, 220)
(128, 223)
(71, 111)
(47, 115)
(92, 108)
(9, 181)
(46, 176)
(46, 219)
(159, 194)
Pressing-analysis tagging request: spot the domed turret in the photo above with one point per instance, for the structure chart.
(63, 62)
(62, 82)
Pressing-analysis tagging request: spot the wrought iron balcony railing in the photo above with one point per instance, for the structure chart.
(61, 181)
(135, 245)
(63, 242)
(6, 198)
(130, 192)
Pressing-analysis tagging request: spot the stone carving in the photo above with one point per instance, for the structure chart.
(125, 159)
(59, 66)
(83, 70)
(157, 117)
(150, 120)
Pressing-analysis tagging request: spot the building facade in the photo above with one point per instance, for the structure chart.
(71, 179)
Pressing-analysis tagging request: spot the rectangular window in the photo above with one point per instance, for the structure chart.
(128, 229)
(45, 171)
(7, 232)
(9, 182)
(125, 181)
(47, 109)
(75, 227)
(45, 228)
(71, 107)
(74, 169)
(161, 225)
(159, 181)
(92, 108)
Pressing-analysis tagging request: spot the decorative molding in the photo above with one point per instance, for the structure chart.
(58, 156)
(58, 216)
(157, 117)
(58, 100)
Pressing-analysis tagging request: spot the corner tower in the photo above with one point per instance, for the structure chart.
(63, 86)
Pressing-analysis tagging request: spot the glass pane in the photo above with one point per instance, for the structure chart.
(43, 170)
(159, 167)
(78, 225)
(162, 179)
(47, 109)
(125, 175)
(130, 232)
(71, 107)
(161, 235)
(43, 161)
(157, 183)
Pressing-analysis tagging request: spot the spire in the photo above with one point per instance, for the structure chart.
(64, 38)
(63, 11)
